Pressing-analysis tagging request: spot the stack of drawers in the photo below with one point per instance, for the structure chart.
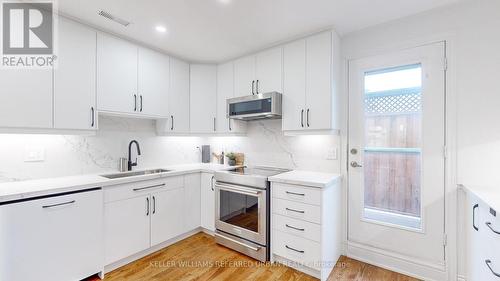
(300, 234)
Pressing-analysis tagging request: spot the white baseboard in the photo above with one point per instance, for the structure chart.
(396, 262)
(297, 266)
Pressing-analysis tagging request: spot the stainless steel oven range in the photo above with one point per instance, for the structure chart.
(242, 211)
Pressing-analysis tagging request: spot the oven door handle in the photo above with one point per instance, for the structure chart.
(239, 243)
(236, 188)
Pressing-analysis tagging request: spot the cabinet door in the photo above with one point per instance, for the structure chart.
(167, 219)
(244, 75)
(269, 71)
(203, 96)
(294, 85)
(477, 244)
(116, 75)
(178, 99)
(207, 201)
(75, 78)
(192, 201)
(26, 98)
(60, 238)
(126, 228)
(153, 83)
(225, 90)
(319, 81)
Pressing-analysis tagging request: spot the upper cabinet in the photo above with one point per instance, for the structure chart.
(203, 96)
(310, 83)
(225, 90)
(130, 79)
(260, 73)
(75, 78)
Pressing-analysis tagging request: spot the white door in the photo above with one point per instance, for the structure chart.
(244, 76)
(207, 201)
(126, 227)
(75, 78)
(153, 82)
(178, 97)
(167, 216)
(269, 71)
(318, 112)
(203, 98)
(192, 201)
(116, 75)
(294, 85)
(396, 159)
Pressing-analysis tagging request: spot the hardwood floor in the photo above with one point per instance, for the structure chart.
(200, 258)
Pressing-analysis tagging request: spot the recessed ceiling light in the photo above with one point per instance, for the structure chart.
(161, 28)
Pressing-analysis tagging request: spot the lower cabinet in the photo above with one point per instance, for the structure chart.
(207, 201)
(192, 201)
(56, 238)
(166, 215)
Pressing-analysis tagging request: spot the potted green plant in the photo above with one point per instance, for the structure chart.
(231, 159)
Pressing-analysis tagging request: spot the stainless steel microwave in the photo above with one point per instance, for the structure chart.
(254, 107)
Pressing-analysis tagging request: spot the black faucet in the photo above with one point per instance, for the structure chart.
(130, 164)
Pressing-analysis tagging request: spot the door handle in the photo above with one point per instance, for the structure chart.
(488, 263)
(135, 102)
(302, 118)
(257, 87)
(474, 217)
(307, 117)
(172, 125)
(141, 102)
(92, 117)
(253, 84)
(355, 164)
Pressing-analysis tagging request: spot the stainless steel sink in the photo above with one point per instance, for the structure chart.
(133, 174)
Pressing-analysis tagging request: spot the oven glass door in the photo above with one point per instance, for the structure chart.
(241, 212)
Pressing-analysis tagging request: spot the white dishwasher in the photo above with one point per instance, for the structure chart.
(55, 237)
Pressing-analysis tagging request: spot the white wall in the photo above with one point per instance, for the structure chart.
(472, 29)
(73, 155)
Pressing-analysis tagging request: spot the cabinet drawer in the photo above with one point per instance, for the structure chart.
(297, 227)
(297, 193)
(130, 190)
(491, 229)
(303, 251)
(297, 210)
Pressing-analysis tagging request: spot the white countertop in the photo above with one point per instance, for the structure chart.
(488, 194)
(308, 178)
(11, 191)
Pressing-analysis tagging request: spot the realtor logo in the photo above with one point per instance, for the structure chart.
(27, 34)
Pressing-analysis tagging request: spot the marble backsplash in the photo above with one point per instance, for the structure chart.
(66, 155)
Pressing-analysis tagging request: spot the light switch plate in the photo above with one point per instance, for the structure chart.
(331, 154)
(34, 154)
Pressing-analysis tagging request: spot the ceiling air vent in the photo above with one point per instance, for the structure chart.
(109, 16)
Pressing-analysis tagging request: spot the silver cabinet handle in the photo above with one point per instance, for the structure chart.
(154, 205)
(307, 117)
(302, 118)
(141, 102)
(257, 87)
(296, 211)
(147, 206)
(239, 243)
(92, 117)
(58, 204)
(172, 125)
(488, 263)
(488, 224)
(290, 248)
(148, 187)
(135, 102)
(355, 164)
(293, 193)
(253, 83)
(292, 227)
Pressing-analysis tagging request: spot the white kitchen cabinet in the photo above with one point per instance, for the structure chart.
(75, 77)
(56, 238)
(225, 90)
(153, 83)
(203, 98)
(207, 201)
(259, 73)
(126, 227)
(26, 98)
(192, 201)
(310, 85)
(116, 75)
(167, 215)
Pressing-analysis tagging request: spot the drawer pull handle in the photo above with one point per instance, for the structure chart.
(296, 228)
(153, 186)
(293, 193)
(59, 204)
(488, 262)
(296, 211)
(488, 224)
(290, 248)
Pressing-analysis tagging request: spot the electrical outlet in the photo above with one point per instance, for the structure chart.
(34, 154)
(331, 154)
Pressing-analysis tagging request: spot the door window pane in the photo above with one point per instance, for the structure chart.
(392, 153)
(239, 210)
